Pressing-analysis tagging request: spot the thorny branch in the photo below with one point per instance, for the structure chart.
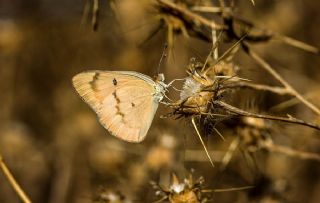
(290, 152)
(267, 35)
(259, 87)
(230, 22)
(277, 76)
(185, 13)
(239, 112)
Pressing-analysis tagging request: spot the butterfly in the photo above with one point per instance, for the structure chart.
(125, 101)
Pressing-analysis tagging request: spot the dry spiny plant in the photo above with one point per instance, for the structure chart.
(210, 85)
(189, 190)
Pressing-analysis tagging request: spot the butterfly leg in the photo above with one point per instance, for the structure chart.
(172, 81)
(166, 103)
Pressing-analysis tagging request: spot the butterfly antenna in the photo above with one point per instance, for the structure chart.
(163, 55)
(201, 140)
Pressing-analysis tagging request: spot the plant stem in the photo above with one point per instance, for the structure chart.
(241, 112)
(13, 182)
(189, 14)
(277, 76)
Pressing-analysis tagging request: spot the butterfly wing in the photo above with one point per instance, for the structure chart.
(123, 101)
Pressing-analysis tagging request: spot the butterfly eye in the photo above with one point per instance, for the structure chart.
(160, 77)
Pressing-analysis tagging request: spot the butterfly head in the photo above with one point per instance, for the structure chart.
(161, 87)
(160, 77)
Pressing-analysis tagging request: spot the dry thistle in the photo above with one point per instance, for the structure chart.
(234, 28)
(254, 134)
(188, 191)
(203, 91)
(202, 96)
(200, 89)
(109, 196)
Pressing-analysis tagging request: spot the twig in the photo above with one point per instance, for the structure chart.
(229, 20)
(297, 43)
(277, 76)
(209, 9)
(24, 198)
(95, 15)
(267, 35)
(229, 189)
(228, 155)
(276, 90)
(241, 112)
(222, 5)
(161, 200)
(291, 152)
(85, 13)
(293, 101)
(195, 17)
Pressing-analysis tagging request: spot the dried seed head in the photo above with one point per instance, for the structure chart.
(190, 88)
(221, 69)
(188, 191)
(110, 196)
(186, 196)
(202, 87)
(255, 122)
(253, 132)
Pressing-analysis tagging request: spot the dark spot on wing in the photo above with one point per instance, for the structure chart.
(116, 97)
(117, 105)
(114, 81)
(93, 81)
(132, 104)
(119, 113)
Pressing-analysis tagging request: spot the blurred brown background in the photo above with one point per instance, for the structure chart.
(57, 150)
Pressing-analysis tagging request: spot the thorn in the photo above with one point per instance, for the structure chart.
(204, 146)
(215, 129)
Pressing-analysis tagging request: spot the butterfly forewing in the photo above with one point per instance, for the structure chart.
(123, 101)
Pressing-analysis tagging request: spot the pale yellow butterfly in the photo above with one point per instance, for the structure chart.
(125, 101)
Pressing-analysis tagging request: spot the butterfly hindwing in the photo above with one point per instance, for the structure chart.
(123, 101)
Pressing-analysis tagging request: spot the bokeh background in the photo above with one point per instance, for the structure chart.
(57, 150)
